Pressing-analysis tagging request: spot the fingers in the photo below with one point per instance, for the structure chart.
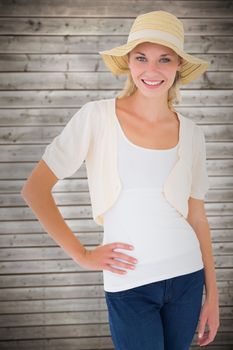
(116, 245)
(201, 328)
(112, 269)
(209, 319)
(125, 257)
(206, 338)
(203, 340)
(121, 264)
(116, 258)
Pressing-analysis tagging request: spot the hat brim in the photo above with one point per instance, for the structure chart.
(116, 60)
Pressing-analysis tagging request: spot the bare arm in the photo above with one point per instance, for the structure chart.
(198, 220)
(37, 194)
(209, 315)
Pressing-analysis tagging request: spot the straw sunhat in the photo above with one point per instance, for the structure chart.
(156, 27)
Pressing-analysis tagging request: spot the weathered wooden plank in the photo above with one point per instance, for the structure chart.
(55, 252)
(225, 222)
(106, 8)
(84, 225)
(75, 99)
(223, 264)
(217, 184)
(79, 81)
(68, 212)
(15, 170)
(86, 62)
(211, 346)
(70, 185)
(219, 167)
(80, 211)
(53, 116)
(10, 171)
(67, 279)
(91, 343)
(73, 343)
(53, 299)
(66, 185)
(93, 44)
(87, 238)
(44, 134)
(221, 235)
(58, 331)
(55, 305)
(76, 225)
(81, 196)
(45, 240)
(71, 279)
(79, 318)
(88, 225)
(72, 304)
(101, 26)
(65, 331)
(64, 292)
(75, 279)
(64, 81)
(60, 116)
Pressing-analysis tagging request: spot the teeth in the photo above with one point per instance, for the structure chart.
(152, 83)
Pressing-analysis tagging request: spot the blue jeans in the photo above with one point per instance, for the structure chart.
(162, 315)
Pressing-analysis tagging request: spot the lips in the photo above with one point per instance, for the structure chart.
(153, 81)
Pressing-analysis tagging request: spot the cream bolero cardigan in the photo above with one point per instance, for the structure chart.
(90, 136)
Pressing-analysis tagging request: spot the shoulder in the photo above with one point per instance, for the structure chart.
(103, 111)
(187, 121)
(96, 106)
(91, 111)
(95, 114)
(191, 124)
(99, 103)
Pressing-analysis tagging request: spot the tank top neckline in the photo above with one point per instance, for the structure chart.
(137, 146)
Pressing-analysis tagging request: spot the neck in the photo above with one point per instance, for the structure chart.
(153, 108)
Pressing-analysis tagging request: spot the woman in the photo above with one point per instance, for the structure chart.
(147, 179)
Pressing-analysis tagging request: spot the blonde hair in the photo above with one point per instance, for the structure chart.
(174, 95)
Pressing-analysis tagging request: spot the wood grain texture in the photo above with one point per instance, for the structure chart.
(50, 67)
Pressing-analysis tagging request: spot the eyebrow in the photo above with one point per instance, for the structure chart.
(165, 54)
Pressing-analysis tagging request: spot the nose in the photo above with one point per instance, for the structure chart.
(153, 66)
(153, 69)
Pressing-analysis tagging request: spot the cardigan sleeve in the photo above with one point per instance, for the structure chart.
(67, 151)
(200, 180)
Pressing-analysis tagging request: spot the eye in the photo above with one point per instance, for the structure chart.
(164, 58)
(137, 58)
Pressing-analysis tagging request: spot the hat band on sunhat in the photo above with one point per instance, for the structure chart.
(150, 33)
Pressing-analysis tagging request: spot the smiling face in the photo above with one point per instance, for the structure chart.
(153, 63)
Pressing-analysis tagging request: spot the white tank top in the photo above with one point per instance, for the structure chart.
(165, 244)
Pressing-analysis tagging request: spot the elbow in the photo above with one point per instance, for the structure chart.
(32, 192)
(28, 192)
(24, 190)
(39, 183)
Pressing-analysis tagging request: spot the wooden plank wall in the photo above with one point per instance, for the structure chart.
(50, 67)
